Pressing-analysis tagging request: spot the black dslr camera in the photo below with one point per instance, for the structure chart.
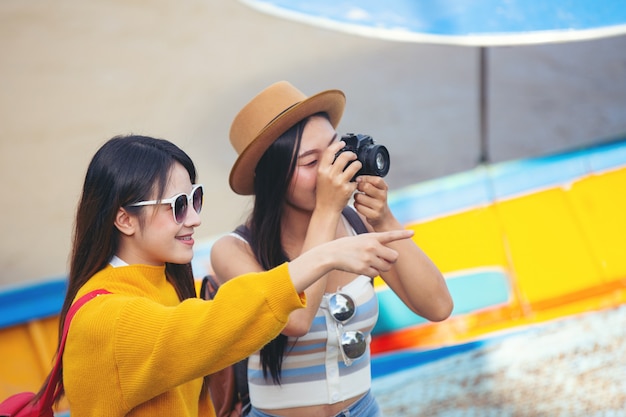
(375, 158)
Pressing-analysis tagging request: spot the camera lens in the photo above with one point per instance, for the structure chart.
(374, 158)
(377, 161)
(380, 162)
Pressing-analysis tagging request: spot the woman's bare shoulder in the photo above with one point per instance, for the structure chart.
(232, 256)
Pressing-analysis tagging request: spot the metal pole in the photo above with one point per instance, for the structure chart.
(483, 104)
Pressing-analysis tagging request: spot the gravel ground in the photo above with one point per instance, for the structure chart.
(570, 367)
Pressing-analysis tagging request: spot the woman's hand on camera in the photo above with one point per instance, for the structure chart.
(371, 202)
(333, 188)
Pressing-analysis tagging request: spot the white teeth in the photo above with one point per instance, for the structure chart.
(185, 238)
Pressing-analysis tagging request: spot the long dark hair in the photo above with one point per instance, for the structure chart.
(271, 182)
(126, 169)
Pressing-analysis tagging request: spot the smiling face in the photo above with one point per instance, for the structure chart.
(156, 238)
(317, 135)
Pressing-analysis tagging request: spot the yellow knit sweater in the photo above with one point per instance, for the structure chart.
(142, 352)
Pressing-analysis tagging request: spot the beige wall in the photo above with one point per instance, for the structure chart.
(75, 73)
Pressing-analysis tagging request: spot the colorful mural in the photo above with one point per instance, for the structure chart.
(520, 243)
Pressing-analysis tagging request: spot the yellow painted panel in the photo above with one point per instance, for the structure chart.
(466, 240)
(549, 253)
(600, 203)
(26, 353)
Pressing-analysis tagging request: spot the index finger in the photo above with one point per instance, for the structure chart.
(330, 153)
(387, 237)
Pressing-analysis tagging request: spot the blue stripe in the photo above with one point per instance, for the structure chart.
(479, 290)
(460, 18)
(290, 376)
(201, 256)
(31, 302)
(471, 292)
(442, 196)
(301, 348)
(356, 365)
(484, 185)
(311, 373)
(528, 175)
(318, 324)
(401, 360)
(519, 177)
(609, 156)
(394, 314)
(367, 310)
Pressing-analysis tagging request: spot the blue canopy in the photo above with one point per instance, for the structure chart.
(461, 22)
(480, 23)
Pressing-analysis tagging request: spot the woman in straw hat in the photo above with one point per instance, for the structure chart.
(320, 364)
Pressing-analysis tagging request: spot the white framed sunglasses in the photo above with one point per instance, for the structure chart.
(179, 203)
(353, 343)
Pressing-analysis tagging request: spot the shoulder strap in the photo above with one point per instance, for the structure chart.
(243, 231)
(209, 287)
(356, 222)
(354, 219)
(240, 369)
(54, 387)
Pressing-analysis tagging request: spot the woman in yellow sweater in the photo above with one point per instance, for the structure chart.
(144, 349)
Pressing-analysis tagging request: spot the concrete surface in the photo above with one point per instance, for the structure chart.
(571, 367)
(74, 73)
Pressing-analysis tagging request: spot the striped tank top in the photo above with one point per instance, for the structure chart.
(313, 369)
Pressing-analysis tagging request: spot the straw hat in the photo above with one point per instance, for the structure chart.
(267, 116)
